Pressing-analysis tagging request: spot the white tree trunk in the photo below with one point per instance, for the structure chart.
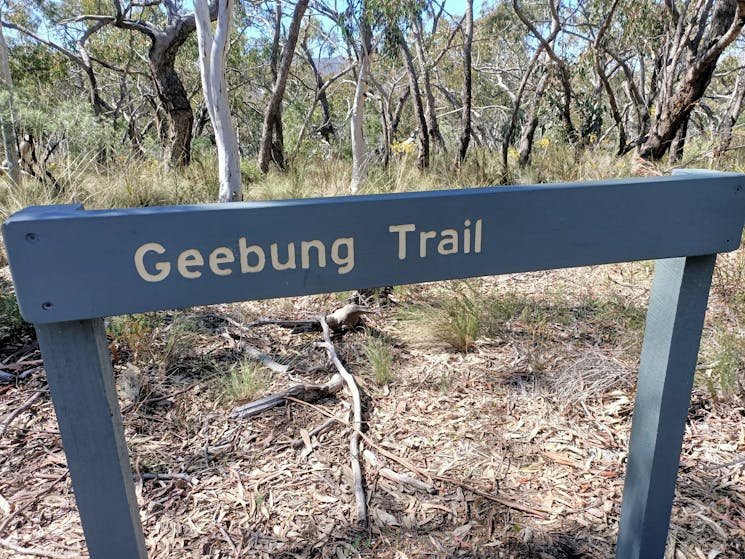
(213, 50)
(6, 121)
(359, 150)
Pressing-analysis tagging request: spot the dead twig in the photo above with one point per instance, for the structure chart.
(354, 440)
(317, 430)
(265, 360)
(18, 411)
(306, 392)
(509, 503)
(396, 477)
(347, 316)
(33, 551)
(21, 364)
(168, 477)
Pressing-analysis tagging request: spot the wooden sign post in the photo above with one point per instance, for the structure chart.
(72, 267)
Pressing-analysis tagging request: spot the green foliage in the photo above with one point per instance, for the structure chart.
(134, 334)
(727, 376)
(379, 355)
(244, 382)
(464, 311)
(12, 325)
(454, 316)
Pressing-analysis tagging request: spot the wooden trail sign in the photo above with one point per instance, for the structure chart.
(72, 267)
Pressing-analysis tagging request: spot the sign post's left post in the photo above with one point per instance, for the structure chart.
(81, 380)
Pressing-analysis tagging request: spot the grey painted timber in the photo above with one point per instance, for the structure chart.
(198, 255)
(80, 377)
(71, 267)
(672, 336)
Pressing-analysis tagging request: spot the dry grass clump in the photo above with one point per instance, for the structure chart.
(379, 354)
(453, 317)
(244, 382)
(588, 377)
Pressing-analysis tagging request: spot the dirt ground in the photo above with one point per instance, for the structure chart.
(518, 444)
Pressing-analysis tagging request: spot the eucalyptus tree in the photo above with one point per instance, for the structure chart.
(213, 51)
(423, 136)
(564, 73)
(167, 26)
(271, 147)
(435, 12)
(515, 72)
(696, 35)
(465, 135)
(730, 114)
(69, 33)
(356, 24)
(7, 116)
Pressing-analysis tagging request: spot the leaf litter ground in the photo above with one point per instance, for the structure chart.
(523, 437)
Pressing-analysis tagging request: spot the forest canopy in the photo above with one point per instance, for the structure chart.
(372, 81)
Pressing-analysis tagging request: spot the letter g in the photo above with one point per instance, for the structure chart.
(164, 268)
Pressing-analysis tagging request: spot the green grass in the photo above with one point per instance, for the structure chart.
(244, 382)
(453, 316)
(727, 375)
(12, 325)
(135, 334)
(379, 355)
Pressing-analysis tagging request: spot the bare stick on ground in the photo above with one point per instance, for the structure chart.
(403, 479)
(354, 441)
(306, 392)
(18, 411)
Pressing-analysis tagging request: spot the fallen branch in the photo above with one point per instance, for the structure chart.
(354, 440)
(265, 360)
(317, 430)
(347, 316)
(18, 411)
(396, 477)
(168, 477)
(21, 364)
(509, 503)
(306, 392)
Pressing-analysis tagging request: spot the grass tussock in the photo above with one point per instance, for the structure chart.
(244, 382)
(12, 325)
(379, 354)
(724, 374)
(453, 317)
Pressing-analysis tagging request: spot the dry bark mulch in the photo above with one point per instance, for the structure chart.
(524, 439)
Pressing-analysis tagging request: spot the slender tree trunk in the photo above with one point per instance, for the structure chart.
(397, 113)
(359, 150)
(423, 136)
(8, 125)
(272, 140)
(677, 147)
(326, 130)
(465, 135)
(517, 100)
(727, 123)
(213, 51)
(433, 128)
(174, 101)
(564, 73)
(525, 150)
